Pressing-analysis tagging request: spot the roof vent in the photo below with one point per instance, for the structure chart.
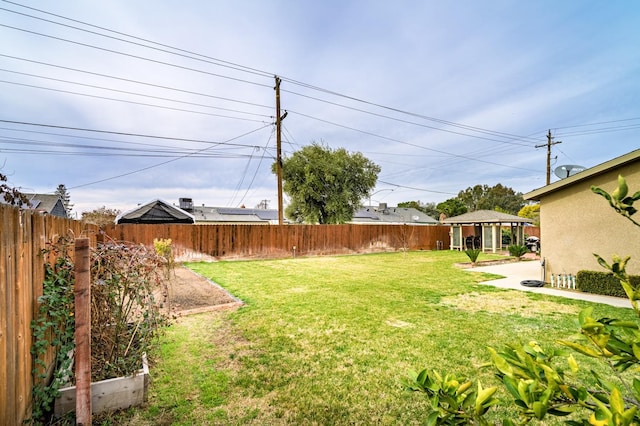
(186, 204)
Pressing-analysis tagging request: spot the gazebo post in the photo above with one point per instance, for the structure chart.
(494, 237)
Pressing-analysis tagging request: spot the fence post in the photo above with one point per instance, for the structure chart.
(82, 297)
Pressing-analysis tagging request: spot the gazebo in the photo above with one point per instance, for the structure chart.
(482, 229)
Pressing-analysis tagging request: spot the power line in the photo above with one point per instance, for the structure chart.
(93, 86)
(406, 143)
(214, 61)
(264, 151)
(70, 92)
(126, 92)
(499, 134)
(93, 151)
(164, 162)
(139, 135)
(128, 80)
(142, 58)
(417, 189)
(599, 123)
(601, 130)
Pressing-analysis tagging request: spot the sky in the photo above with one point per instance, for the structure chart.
(125, 102)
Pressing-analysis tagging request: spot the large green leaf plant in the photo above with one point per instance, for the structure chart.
(547, 383)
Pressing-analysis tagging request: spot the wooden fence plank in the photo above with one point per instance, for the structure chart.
(273, 241)
(23, 236)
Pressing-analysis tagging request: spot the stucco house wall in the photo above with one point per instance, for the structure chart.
(575, 222)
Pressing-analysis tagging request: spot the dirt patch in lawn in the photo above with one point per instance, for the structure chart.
(508, 303)
(191, 293)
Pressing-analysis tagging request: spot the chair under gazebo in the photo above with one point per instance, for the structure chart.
(482, 229)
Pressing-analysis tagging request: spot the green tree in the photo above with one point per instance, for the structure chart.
(64, 195)
(100, 216)
(325, 185)
(452, 207)
(410, 205)
(429, 209)
(531, 211)
(484, 197)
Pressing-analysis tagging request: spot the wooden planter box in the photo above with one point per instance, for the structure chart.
(110, 394)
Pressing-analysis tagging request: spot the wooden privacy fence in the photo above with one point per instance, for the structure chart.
(271, 241)
(23, 235)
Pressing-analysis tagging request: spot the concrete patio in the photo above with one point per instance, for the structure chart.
(517, 272)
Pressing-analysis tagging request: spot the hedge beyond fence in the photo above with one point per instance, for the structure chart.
(603, 283)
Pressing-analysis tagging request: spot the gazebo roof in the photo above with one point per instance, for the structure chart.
(485, 216)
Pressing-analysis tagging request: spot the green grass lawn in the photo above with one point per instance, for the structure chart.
(327, 340)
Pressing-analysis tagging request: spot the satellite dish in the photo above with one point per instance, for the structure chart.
(415, 217)
(568, 170)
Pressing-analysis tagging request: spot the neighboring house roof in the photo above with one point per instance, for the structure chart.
(156, 211)
(485, 216)
(47, 203)
(392, 215)
(633, 156)
(203, 214)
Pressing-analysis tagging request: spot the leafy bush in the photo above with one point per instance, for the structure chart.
(603, 283)
(164, 249)
(125, 315)
(53, 327)
(473, 254)
(517, 251)
(455, 400)
(126, 294)
(549, 383)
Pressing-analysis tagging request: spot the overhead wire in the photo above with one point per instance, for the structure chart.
(93, 86)
(70, 92)
(264, 151)
(140, 135)
(93, 151)
(85, 137)
(244, 174)
(509, 141)
(404, 142)
(104, 49)
(162, 163)
(128, 80)
(212, 60)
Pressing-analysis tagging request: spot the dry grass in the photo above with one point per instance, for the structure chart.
(507, 303)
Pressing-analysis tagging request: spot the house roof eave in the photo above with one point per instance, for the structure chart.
(536, 194)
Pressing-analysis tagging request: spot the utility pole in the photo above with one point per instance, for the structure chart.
(279, 149)
(548, 145)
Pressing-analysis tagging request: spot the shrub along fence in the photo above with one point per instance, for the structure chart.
(272, 241)
(23, 236)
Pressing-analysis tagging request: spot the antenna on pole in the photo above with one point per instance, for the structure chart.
(279, 149)
(548, 145)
